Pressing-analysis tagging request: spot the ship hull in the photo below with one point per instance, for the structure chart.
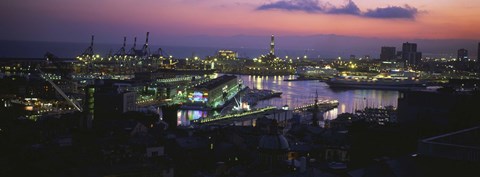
(375, 85)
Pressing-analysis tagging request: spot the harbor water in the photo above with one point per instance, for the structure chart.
(297, 93)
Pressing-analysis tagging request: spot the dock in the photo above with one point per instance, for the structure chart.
(323, 105)
(234, 115)
(249, 117)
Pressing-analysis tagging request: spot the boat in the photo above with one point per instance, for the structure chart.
(391, 81)
(276, 94)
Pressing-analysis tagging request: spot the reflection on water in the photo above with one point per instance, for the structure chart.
(296, 93)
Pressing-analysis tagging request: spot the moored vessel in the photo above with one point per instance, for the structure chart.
(396, 81)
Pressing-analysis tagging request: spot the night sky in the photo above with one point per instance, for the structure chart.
(177, 20)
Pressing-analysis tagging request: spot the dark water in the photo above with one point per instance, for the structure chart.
(297, 93)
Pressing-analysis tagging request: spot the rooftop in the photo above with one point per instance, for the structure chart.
(216, 82)
(460, 145)
(463, 138)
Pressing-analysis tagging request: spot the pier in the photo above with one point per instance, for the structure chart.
(234, 115)
(323, 105)
(249, 117)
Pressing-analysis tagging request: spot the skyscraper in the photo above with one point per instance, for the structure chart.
(462, 55)
(388, 54)
(478, 53)
(410, 55)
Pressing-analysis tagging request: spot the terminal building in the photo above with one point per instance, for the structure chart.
(227, 55)
(214, 93)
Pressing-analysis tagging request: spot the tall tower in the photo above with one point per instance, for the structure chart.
(272, 45)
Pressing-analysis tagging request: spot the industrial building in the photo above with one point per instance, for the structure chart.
(215, 93)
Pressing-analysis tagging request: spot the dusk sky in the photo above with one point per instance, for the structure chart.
(110, 20)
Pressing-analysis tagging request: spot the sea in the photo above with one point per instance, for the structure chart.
(298, 93)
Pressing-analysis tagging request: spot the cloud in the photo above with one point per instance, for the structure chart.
(392, 12)
(293, 5)
(350, 8)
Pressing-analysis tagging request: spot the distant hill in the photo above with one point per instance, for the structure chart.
(323, 46)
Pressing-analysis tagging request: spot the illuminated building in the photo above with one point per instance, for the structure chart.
(271, 58)
(269, 64)
(410, 55)
(388, 54)
(227, 55)
(462, 55)
(214, 93)
(104, 100)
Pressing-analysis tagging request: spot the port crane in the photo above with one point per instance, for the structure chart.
(75, 104)
(122, 51)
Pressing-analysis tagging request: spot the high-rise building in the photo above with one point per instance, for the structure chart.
(410, 55)
(478, 53)
(462, 55)
(388, 54)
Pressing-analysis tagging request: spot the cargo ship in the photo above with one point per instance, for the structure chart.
(315, 73)
(396, 81)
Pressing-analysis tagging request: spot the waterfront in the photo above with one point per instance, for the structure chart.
(298, 93)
